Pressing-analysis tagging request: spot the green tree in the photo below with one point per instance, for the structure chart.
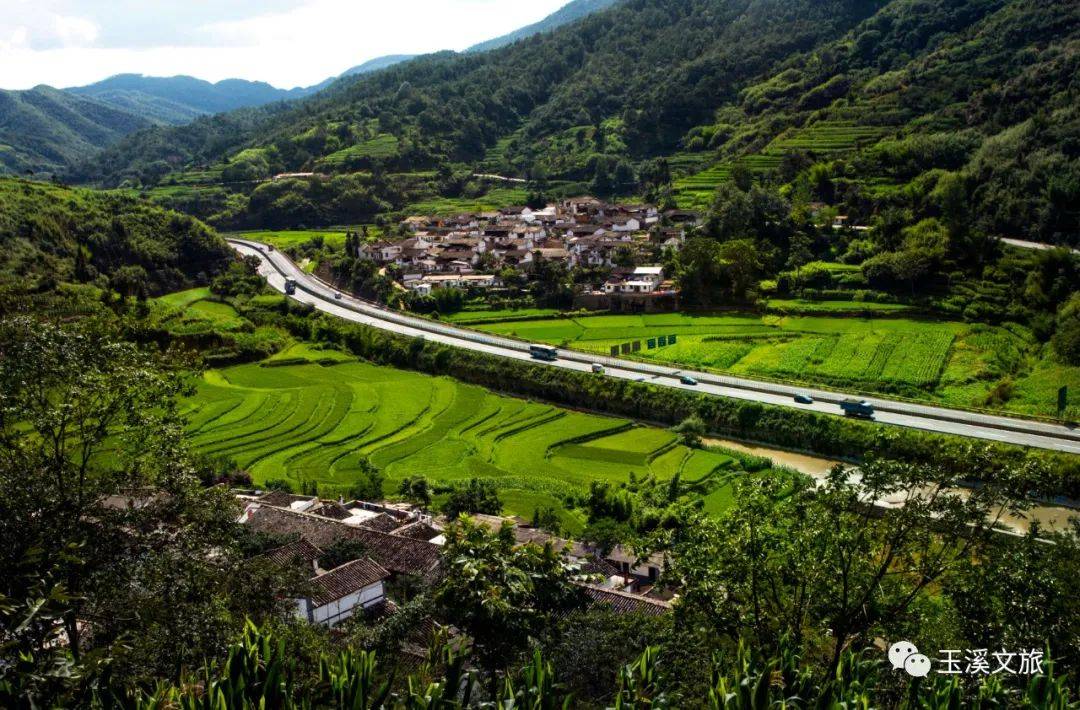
(476, 496)
(1066, 338)
(500, 594)
(416, 490)
(98, 489)
(818, 565)
(690, 431)
(369, 483)
(342, 552)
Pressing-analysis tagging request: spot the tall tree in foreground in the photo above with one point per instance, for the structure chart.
(100, 503)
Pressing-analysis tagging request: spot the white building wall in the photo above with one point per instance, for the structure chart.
(337, 611)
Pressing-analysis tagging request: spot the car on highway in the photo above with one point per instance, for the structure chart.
(688, 380)
(337, 295)
(804, 399)
(597, 368)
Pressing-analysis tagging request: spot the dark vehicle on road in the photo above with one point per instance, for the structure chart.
(688, 380)
(804, 399)
(857, 408)
(290, 286)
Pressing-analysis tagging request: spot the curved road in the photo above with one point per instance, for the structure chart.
(275, 266)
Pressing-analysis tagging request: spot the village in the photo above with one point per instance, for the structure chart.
(622, 244)
(401, 547)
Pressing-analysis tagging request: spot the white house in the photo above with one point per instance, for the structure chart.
(343, 592)
(652, 274)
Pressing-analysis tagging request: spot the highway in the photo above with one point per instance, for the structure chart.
(276, 267)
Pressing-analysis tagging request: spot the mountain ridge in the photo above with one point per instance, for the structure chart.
(568, 13)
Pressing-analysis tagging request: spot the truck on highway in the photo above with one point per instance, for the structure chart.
(857, 408)
(290, 287)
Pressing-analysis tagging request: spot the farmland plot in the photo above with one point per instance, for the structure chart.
(311, 422)
(937, 361)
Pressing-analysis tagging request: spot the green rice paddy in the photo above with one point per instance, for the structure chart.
(312, 415)
(952, 363)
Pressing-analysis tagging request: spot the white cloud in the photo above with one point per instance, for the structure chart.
(295, 43)
(39, 26)
(72, 31)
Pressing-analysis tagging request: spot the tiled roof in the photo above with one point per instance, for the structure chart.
(300, 553)
(331, 510)
(382, 523)
(624, 602)
(595, 565)
(280, 499)
(400, 555)
(345, 580)
(419, 531)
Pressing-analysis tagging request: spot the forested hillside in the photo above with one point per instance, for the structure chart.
(649, 61)
(51, 234)
(669, 99)
(45, 130)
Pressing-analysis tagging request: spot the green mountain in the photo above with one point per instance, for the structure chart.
(180, 99)
(563, 16)
(50, 233)
(670, 99)
(45, 130)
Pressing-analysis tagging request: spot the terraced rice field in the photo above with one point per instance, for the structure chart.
(314, 422)
(823, 139)
(380, 147)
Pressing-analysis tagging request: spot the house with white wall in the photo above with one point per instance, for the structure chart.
(343, 592)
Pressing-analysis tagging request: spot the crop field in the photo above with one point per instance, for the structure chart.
(824, 139)
(291, 238)
(936, 361)
(195, 311)
(803, 307)
(495, 199)
(380, 147)
(310, 416)
(482, 315)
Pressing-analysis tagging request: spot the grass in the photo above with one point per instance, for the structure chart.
(943, 362)
(803, 307)
(183, 299)
(493, 200)
(196, 311)
(484, 315)
(292, 238)
(295, 418)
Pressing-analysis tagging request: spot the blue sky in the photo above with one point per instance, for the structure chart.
(285, 42)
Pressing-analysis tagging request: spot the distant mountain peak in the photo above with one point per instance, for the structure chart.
(571, 12)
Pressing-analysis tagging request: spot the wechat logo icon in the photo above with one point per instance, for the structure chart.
(903, 654)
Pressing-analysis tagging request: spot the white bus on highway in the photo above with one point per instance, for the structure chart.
(544, 352)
